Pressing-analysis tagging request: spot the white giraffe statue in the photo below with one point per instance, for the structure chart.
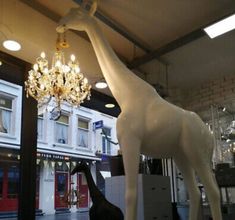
(150, 125)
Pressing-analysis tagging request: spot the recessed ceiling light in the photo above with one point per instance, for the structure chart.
(221, 27)
(101, 85)
(110, 105)
(11, 45)
(0, 62)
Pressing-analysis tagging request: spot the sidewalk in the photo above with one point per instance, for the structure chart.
(66, 216)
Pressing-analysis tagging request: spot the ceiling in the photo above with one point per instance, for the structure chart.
(162, 41)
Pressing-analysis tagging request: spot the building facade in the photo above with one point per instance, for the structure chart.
(79, 134)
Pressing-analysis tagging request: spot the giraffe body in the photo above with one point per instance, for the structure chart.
(150, 125)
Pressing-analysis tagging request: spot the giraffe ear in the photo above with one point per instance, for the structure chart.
(93, 7)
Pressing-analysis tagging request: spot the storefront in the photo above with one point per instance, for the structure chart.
(58, 190)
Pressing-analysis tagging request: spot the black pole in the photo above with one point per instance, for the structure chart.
(28, 152)
(173, 181)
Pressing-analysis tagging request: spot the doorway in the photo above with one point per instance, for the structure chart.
(83, 191)
(9, 184)
(61, 189)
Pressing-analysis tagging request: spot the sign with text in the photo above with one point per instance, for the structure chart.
(98, 125)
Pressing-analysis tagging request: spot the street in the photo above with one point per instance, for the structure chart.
(66, 216)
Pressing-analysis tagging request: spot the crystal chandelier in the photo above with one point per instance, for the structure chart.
(62, 82)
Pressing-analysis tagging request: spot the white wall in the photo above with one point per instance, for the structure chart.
(46, 188)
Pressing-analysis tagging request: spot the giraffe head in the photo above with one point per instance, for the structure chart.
(80, 167)
(77, 18)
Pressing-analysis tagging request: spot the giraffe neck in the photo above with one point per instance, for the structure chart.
(121, 81)
(95, 193)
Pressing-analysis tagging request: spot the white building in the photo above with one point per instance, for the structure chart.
(61, 144)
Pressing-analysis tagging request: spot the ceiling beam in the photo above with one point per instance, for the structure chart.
(188, 38)
(122, 31)
(156, 54)
(56, 18)
(118, 28)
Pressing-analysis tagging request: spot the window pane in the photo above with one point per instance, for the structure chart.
(82, 138)
(106, 131)
(5, 102)
(103, 145)
(64, 119)
(1, 182)
(61, 183)
(83, 124)
(61, 133)
(106, 146)
(5, 121)
(40, 129)
(13, 182)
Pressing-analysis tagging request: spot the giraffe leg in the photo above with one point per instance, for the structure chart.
(191, 184)
(208, 180)
(130, 149)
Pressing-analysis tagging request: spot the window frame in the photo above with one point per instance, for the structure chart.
(12, 116)
(88, 130)
(63, 113)
(106, 142)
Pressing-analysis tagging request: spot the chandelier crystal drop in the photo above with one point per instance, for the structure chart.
(62, 82)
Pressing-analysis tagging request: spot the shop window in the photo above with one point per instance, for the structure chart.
(13, 182)
(40, 127)
(83, 133)
(62, 126)
(5, 114)
(1, 183)
(106, 137)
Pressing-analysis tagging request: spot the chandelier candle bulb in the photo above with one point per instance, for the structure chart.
(72, 57)
(58, 63)
(85, 80)
(66, 68)
(43, 55)
(46, 71)
(35, 67)
(77, 69)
